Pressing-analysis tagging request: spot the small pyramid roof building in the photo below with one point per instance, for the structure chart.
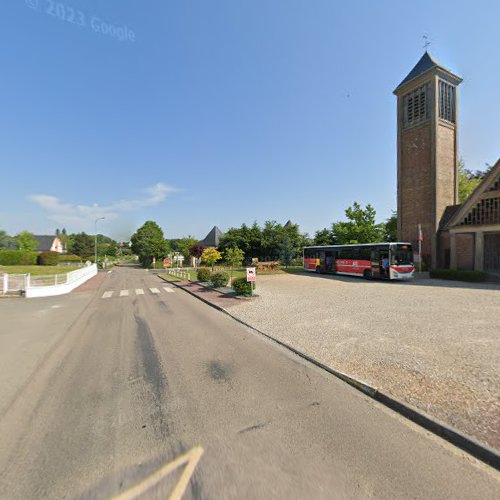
(212, 239)
(424, 65)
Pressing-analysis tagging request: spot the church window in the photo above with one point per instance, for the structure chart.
(446, 102)
(416, 106)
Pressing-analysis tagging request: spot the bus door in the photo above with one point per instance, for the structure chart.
(321, 261)
(330, 261)
(376, 263)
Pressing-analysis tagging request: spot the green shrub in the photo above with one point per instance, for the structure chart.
(220, 278)
(458, 275)
(242, 287)
(47, 259)
(69, 258)
(17, 258)
(203, 274)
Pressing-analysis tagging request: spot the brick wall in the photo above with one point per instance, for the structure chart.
(445, 169)
(416, 186)
(465, 251)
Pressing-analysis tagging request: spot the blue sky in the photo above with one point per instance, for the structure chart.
(222, 112)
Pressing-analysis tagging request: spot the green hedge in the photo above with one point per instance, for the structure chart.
(47, 259)
(220, 278)
(17, 258)
(203, 274)
(458, 275)
(242, 287)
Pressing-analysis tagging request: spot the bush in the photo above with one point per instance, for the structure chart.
(203, 274)
(47, 259)
(69, 258)
(17, 258)
(242, 287)
(220, 278)
(458, 275)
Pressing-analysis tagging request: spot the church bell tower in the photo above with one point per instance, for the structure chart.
(427, 152)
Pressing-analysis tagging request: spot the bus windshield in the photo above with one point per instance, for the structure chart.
(401, 254)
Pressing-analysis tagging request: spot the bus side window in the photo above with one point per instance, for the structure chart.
(364, 253)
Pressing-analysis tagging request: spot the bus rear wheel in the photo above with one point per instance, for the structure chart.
(368, 275)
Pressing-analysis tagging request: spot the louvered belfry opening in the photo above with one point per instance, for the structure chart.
(487, 210)
(446, 101)
(415, 106)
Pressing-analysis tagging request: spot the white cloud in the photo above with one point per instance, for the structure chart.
(81, 217)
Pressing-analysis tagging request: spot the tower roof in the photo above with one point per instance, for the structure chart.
(213, 238)
(426, 63)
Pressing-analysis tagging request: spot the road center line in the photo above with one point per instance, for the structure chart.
(139, 291)
(169, 290)
(123, 293)
(154, 290)
(107, 295)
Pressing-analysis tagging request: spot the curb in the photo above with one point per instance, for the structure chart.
(480, 451)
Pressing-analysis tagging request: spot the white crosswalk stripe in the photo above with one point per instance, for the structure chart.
(138, 291)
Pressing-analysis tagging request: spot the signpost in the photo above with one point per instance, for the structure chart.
(251, 275)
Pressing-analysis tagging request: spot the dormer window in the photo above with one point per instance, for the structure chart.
(446, 102)
(416, 108)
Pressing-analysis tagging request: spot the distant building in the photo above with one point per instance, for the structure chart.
(48, 243)
(463, 236)
(212, 239)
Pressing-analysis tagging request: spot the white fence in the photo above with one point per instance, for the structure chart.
(178, 273)
(13, 283)
(44, 286)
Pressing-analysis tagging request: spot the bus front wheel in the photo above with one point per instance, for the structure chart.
(368, 274)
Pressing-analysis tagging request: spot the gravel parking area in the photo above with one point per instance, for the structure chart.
(434, 344)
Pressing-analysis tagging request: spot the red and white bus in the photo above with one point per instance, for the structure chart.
(373, 260)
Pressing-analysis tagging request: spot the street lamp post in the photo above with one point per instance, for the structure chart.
(95, 232)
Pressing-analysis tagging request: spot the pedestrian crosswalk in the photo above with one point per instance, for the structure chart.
(138, 291)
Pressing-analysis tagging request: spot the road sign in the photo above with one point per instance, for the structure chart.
(154, 261)
(251, 274)
(166, 262)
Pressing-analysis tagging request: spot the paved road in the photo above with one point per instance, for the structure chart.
(124, 383)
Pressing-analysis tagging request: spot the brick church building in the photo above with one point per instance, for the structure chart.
(465, 236)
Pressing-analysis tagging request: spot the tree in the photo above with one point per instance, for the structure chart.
(148, 242)
(272, 235)
(196, 250)
(182, 245)
(286, 251)
(106, 246)
(26, 241)
(467, 180)
(81, 244)
(64, 238)
(234, 257)
(211, 256)
(360, 227)
(391, 228)
(323, 237)
(7, 242)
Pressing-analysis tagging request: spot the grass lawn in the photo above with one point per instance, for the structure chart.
(37, 270)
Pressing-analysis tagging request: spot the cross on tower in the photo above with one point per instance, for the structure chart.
(425, 38)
